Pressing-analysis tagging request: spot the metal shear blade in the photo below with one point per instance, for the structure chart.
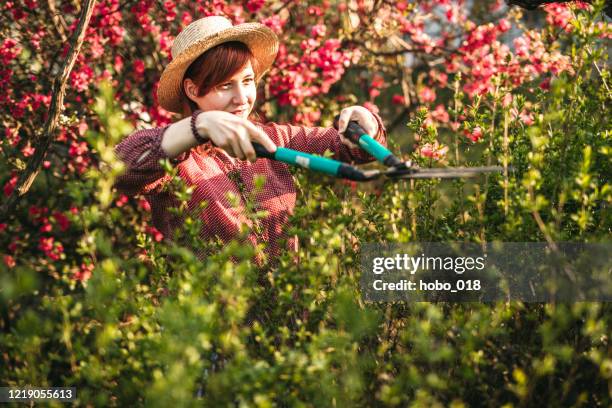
(454, 172)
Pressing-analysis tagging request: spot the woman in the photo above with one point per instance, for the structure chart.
(212, 82)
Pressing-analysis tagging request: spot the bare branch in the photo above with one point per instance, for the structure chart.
(57, 105)
(533, 4)
(403, 50)
(285, 4)
(58, 21)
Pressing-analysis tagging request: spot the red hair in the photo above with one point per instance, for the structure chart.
(216, 66)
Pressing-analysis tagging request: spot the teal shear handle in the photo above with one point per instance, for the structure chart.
(356, 134)
(396, 169)
(312, 162)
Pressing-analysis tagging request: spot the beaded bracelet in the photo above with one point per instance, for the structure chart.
(194, 131)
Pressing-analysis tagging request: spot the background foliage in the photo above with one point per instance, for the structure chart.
(92, 297)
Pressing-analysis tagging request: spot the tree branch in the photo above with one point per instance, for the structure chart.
(392, 53)
(57, 105)
(533, 4)
(58, 21)
(285, 4)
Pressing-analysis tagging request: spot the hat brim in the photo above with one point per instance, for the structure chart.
(262, 42)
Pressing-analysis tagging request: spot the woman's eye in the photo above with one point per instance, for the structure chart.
(225, 86)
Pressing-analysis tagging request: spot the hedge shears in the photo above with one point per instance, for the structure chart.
(395, 168)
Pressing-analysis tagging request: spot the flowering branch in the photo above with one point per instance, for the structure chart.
(533, 4)
(57, 103)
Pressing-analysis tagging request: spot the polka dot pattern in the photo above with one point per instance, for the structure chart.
(208, 169)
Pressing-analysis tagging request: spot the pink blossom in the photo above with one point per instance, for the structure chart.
(84, 272)
(318, 30)
(122, 200)
(398, 99)
(451, 14)
(503, 25)
(274, 23)
(96, 49)
(83, 128)
(440, 114)
(77, 149)
(545, 84)
(18, 13)
(9, 186)
(605, 30)
(154, 233)
(9, 50)
(475, 135)
(378, 81)
(314, 11)
(583, 5)
(46, 227)
(5, 79)
(81, 78)
(523, 116)
(427, 95)
(170, 8)
(165, 42)
(139, 67)
(433, 151)
(318, 68)
(35, 211)
(521, 45)
(478, 37)
(441, 78)
(36, 38)
(254, 5)
(507, 100)
(496, 6)
(144, 205)
(28, 150)
(62, 221)
(52, 249)
(309, 44)
(9, 261)
(36, 100)
(559, 14)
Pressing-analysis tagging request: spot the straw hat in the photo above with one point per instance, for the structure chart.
(202, 35)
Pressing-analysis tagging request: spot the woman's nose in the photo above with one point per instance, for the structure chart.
(241, 96)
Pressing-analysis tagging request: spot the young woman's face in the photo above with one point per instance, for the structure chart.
(237, 95)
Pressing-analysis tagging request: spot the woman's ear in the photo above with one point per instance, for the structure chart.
(190, 88)
(186, 100)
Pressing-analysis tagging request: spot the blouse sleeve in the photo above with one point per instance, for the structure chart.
(141, 151)
(317, 140)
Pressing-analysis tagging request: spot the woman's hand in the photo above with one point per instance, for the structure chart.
(232, 134)
(363, 116)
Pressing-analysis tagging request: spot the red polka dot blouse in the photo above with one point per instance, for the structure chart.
(212, 173)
